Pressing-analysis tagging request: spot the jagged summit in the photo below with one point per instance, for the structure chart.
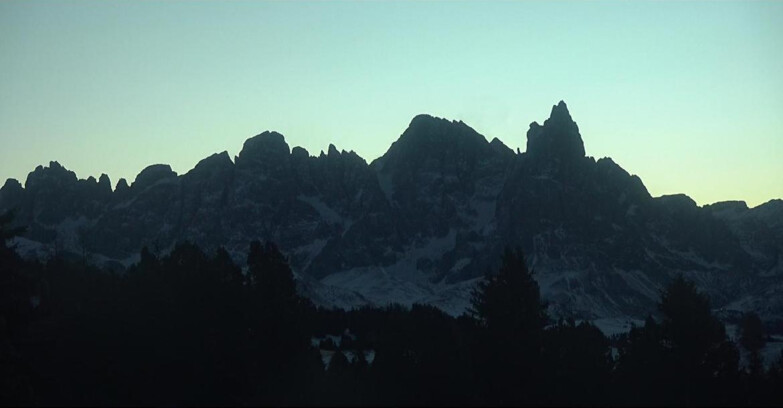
(433, 136)
(12, 183)
(500, 147)
(55, 174)
(677, 201)
(11, 191)
(557, 139)
(152, 174)
(122, 186)
(432, 127)
(214, 162)
(730, 205)
(560, 113)
(299, 153)
(104, 182)
(424, 119)
(268, 145)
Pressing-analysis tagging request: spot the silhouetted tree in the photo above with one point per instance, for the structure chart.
(269, 273)
(773, 391)
(640, 373)
(752, 335)
(17, 284)
(18, 287)
(509, 310)
(577, 364)
(687, 356)
(752, 338)
(509, 301)
(277, 324)
(227, 271)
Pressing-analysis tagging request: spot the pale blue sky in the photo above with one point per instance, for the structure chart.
(688, 95)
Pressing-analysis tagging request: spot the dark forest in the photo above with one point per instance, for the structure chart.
(191, 328)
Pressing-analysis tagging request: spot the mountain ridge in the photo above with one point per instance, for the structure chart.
(424, 220)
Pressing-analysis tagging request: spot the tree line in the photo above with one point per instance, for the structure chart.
(193, 328)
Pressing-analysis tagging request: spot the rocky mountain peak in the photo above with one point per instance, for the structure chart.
(53, 176)
(11, 192)
(152, 174)
(104, 183)
(213, 163)
(557, 139)
(267, 148)
(432, 128)
(677, 202)
(11, 184)
(214, 169)
(735, 206)
(299, 153)
(423, 119)
(429, 137)
(122, 186)
(500, 147)
(560, 114)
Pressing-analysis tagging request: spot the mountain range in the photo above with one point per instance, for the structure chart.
(424, 222)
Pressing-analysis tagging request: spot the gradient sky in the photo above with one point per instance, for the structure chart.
(688, 95)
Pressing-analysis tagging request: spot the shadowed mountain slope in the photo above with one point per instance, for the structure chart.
(423, 222)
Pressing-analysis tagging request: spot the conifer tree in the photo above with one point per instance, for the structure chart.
(510, 301)
(686, 359)
(511, 317)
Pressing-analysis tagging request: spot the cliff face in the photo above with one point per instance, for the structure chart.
(424, 221)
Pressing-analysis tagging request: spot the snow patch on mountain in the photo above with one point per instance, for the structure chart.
(616, 325)
(327, 213)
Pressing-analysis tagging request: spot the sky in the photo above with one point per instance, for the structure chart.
(687, 95)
